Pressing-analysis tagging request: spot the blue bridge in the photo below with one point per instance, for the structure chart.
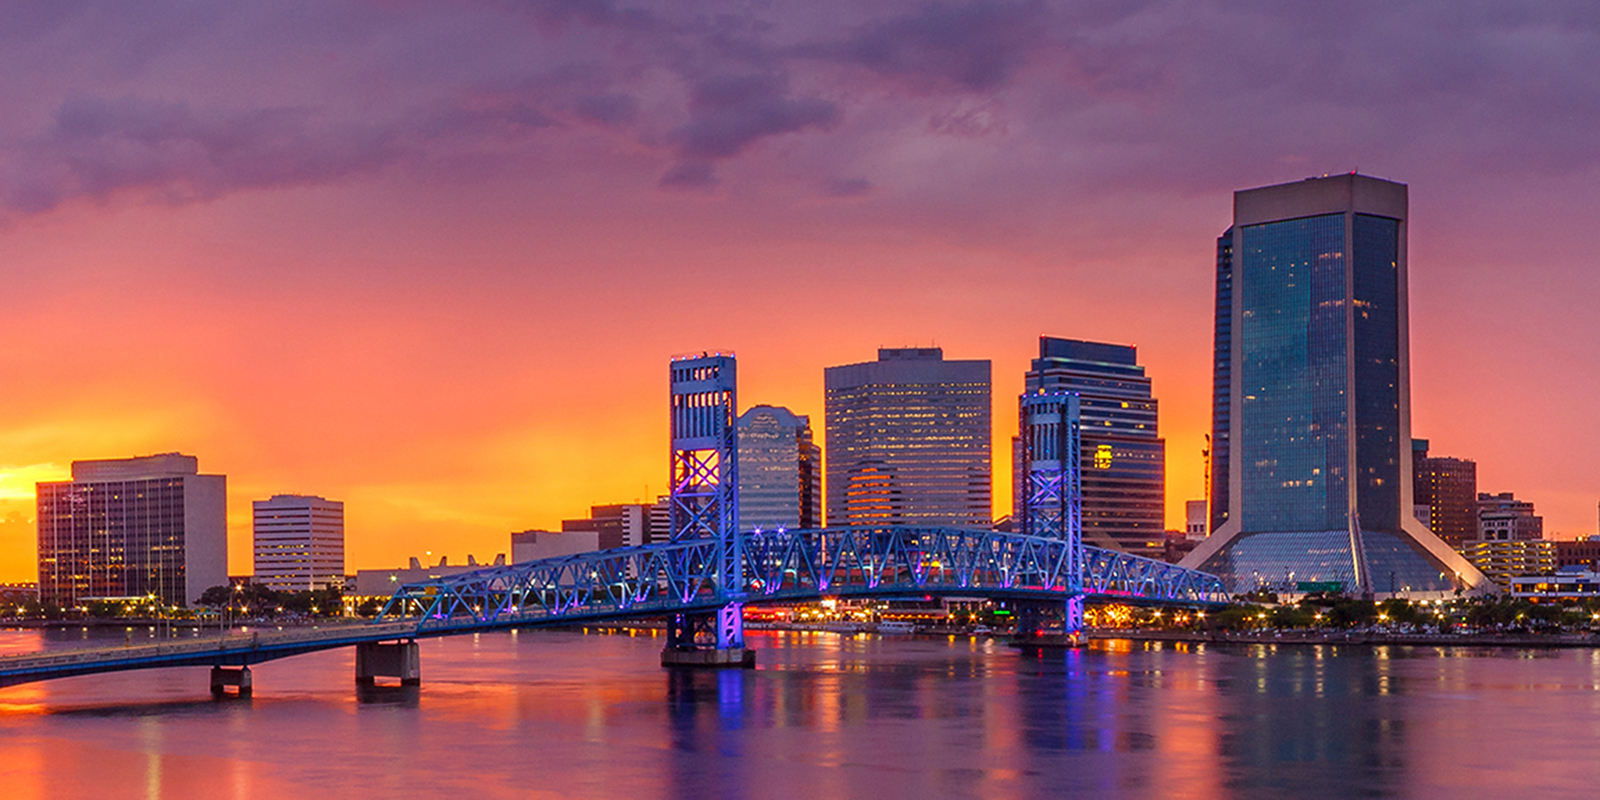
(888, 562)
(706, 573)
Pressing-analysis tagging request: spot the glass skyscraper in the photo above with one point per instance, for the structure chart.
(780, 470)
(1123, 458)
(1311, 452)
(909, 440)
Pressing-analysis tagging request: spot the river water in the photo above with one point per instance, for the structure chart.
(568, 714)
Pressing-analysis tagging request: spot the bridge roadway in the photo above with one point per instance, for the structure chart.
(235, 649)
(675, 578)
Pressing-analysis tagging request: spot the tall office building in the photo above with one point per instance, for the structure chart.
(1449, 489)
(780, 470)
(299, 543)
(1313, 448)
(130, 528)
(909, 440)
(1124, 458)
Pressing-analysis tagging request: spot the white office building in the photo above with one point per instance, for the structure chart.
(299, 543)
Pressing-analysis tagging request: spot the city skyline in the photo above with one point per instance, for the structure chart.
(439, 279)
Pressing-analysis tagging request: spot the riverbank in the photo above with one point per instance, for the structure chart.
(1366, 637)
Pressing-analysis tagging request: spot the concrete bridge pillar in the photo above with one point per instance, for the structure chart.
(1072, 619)
(708, 640)
(401, 660)
(223, 677)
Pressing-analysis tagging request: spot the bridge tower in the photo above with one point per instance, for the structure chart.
(1052, 482)
(704, 504)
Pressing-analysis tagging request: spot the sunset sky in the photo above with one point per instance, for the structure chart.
(431, 258)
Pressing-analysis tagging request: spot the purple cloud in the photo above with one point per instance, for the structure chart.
(728, 114)
(975, 46)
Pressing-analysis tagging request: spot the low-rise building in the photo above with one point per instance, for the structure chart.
(1562, 585)
(1502, 517)
(384, 582)
(1583, 552)
(535, 545)
(1502, 560)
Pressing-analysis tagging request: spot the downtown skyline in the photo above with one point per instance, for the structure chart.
(270, 239)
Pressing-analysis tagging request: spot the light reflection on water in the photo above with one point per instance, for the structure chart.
(563, 714)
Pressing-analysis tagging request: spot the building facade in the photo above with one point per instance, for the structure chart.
(1502, 560)
(780, 470)
(533, 545)
(909, 440)
(1448, 488)
(1196, 525)
(1583, 552)
(133, 528)
(617, 525)
(1124, 457)
(1578, 584)
(1314, 447)
(1504, 518)
(382, 583)
(299, 543)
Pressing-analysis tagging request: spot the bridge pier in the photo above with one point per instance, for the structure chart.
(223, 677)
(1036, 625)
(1072, 619)
(401, 660)
(708, 640)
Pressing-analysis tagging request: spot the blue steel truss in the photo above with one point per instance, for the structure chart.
(792, 566)
(704, 503)
(1052, 506)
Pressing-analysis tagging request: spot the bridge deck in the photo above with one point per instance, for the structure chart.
(235, 650)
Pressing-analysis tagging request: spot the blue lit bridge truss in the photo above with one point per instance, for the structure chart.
(793, 566)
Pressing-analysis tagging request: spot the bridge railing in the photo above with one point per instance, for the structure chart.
(785, 566)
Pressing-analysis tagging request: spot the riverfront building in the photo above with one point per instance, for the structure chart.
(780, 470)
(299, 543)
(1448, 488)
(1311, 453)
(1504, 518)
(909, 440)
(1123, 457)
(132, 528)
(1502, 560)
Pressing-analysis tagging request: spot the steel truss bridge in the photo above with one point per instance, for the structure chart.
(789, 567)
(680, 578)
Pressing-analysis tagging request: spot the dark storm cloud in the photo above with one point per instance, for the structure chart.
(728, 114)
(976, 46)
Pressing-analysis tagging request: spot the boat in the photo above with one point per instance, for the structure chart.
(896, 626)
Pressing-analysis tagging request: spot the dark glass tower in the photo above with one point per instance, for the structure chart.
(1123, 456)
(1312, 450)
